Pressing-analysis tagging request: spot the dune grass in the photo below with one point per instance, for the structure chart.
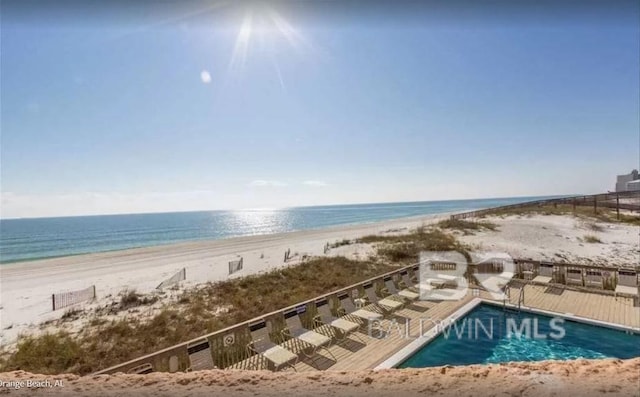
(590, 238)
(584, 212)
(205, 309)
(464, 225)
(406, 248)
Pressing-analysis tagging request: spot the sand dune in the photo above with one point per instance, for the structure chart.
(584, 378)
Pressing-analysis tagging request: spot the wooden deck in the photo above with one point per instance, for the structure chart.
(355, 355)
(595, 306)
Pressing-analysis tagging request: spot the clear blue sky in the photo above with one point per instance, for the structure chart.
(162, 106)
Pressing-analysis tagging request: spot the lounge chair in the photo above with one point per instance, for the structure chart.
(493, 276)
(142, 369)
(593, 278)
(408, 282)
(200, 357)
(627, 282)
(447, 277)
(528, 271)
(404, 295)
(261, 345)
(545, 273)
(348, 311)
(326, 322)
(311, 341)
(386, 305)
(575, 277)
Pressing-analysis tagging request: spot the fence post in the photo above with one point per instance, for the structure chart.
(617, 206)
(53, 301)
(595, 206)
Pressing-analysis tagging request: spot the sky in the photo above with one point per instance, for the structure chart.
(131, 107)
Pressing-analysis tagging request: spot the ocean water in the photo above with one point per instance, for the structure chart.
(37, 238)
(483, 337)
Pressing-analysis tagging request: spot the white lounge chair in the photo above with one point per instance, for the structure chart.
(200, 357)
(593, 278)
(545, 273)
(261, 345)
(310, 341)
(528, 271)
(403, 295)
(493, 276)
(408, 282)
(627, 283)
(386, 305)
(348, 311)
(338, 328)
(575, 277)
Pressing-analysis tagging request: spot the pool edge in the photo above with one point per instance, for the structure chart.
(407, 351)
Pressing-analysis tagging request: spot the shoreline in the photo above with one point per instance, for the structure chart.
(348, 227)
(6, 264)
(27, 287)
(483, 203)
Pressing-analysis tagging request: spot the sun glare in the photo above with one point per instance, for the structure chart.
(264, 26)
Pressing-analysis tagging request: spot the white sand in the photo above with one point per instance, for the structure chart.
(26, 287)
(560, 239)
(584, 378)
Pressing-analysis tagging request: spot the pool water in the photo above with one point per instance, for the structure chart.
(490, 335)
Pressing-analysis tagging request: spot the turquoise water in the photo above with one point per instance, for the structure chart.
(579, 341)
(26, 239)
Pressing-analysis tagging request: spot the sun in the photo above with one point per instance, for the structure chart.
(263, 25)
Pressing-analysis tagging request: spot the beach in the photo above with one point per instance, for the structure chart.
(27, 287)
(585, 378)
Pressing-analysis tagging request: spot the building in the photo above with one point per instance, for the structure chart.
(627, 182)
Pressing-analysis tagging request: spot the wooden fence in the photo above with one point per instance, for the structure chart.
(181, 275)
(604, 200)
(65, 299)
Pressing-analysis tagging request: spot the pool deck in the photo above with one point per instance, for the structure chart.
(354, 355)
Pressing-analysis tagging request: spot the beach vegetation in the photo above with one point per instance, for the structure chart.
(71, 314)
(583, 212)
(465, 225)
(209, 307)
(590, 238)
(340, 243)
(49, 353)
(406, 248)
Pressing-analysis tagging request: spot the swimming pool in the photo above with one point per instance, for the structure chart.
(488, 334)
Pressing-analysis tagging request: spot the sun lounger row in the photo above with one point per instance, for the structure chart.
(622, 281)
(305, 332)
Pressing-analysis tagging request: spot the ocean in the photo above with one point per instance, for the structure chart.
(38, 238)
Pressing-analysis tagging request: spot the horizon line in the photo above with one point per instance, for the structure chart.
(278, 208)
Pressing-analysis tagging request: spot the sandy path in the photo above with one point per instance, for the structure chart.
(541, 379)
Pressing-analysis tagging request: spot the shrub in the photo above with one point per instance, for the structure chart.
(589, 238)
(461, 224)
